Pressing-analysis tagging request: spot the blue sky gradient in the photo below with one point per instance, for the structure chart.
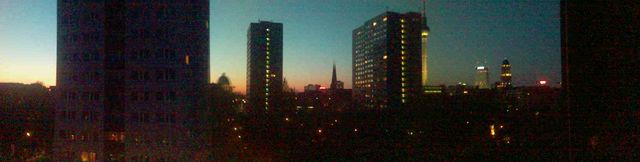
(316, 33)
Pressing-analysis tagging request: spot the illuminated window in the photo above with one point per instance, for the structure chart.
(384, 19)
(375, 23)
(186, 59)
(88, 156)
(267, 29)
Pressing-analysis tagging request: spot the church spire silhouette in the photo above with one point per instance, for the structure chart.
(334, 78)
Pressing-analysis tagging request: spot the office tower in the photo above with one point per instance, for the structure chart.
(129, 75)
(505, 75)
(264, 66)
(424, 38)
(600, 80)
(482, 77)
(387, 60)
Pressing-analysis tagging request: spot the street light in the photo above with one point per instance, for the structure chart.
(493, 131)
(28, 134)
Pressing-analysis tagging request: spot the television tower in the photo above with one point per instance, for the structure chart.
(425, 38)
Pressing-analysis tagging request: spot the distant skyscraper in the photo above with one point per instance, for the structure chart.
(505, 75)
(387, 60)
(264, 65)
(482, 77)
(129, 75)
(424, 39)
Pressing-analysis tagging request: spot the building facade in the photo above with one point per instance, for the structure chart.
(129, 74)
(482, 77)
(387, 60)
(264, 66)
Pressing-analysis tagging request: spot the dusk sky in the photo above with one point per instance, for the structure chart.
(318, 32)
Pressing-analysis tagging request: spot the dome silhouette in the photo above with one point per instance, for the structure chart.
(223, 80)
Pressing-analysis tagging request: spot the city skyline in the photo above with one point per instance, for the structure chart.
(527, 33)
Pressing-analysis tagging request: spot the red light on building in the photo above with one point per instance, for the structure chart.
(543, 82)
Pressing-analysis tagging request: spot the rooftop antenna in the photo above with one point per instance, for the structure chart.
(424, 9)
(424, 14)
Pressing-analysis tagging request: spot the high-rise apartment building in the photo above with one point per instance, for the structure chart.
(482, 77)
(129, 74)
(387, 60)
(505, 75)
(264, 66)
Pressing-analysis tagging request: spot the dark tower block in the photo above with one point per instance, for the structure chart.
(387, 60)
(129, 76)
(264, 66)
